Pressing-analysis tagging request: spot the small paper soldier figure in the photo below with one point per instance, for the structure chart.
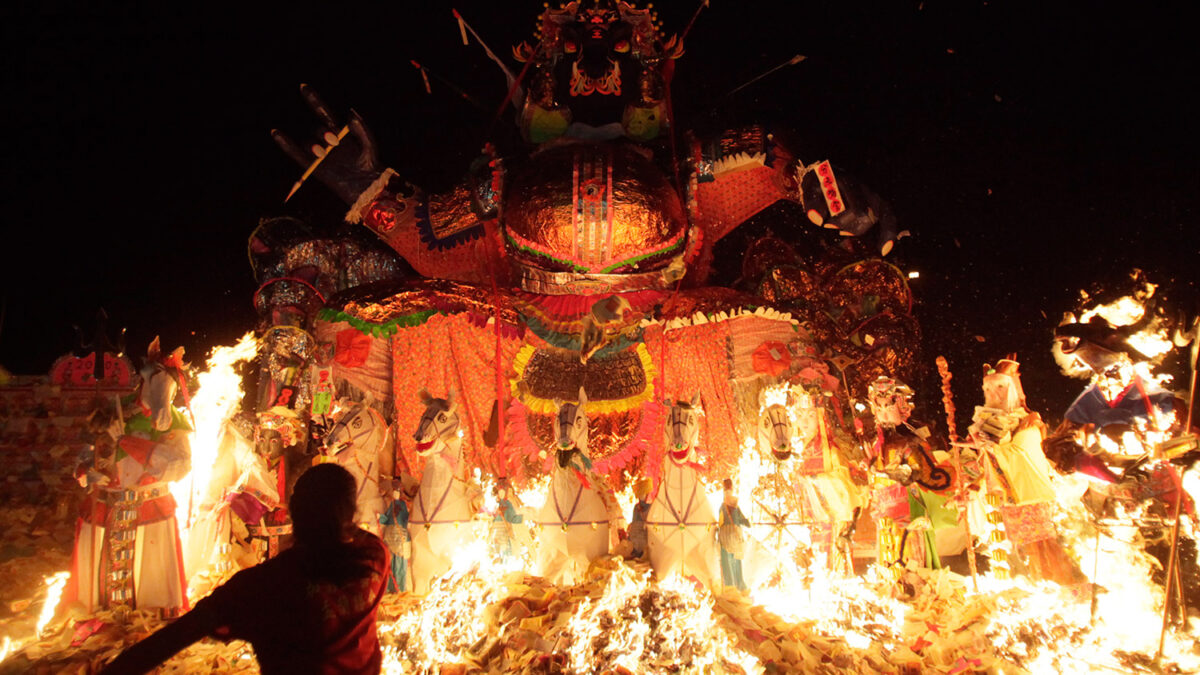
(637, 526)
(395, 533)
(500, 532)
(732, 539)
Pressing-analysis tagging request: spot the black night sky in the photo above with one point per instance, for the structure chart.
(1033, 149)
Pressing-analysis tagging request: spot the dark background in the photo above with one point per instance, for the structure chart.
(1033, 149)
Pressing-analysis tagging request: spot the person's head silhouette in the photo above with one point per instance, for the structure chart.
(323, 505)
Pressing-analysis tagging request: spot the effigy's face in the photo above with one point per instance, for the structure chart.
(597, 74)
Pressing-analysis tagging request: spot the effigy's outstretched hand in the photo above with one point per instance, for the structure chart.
(345, 159)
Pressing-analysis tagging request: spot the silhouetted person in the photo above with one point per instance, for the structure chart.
(311, 609)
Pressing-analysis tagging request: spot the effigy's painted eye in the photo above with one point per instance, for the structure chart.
(622, 46)
(570, 47)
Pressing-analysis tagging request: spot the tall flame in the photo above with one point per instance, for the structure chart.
(216, 399)
(54, 590)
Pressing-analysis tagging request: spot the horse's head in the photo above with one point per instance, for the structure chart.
(352, 425)
(683, 429)
(775, 431)
(570, 428)
(160, 383)
(439, 424)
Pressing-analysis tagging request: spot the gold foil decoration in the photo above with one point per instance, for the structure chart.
(439, 294)
(558, 374)
(608, 434)
(587, 207)
(451, 213)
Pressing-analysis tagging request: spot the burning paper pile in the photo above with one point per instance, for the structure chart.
(617, 621)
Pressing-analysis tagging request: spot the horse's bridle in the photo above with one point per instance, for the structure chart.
(574, 411)
(344, 423)
(440, 431)
(779, 420)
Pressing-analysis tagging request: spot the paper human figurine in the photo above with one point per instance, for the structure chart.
(395, 520)
(1016, 474)
(902, 448)
(589, 229)
(909, 512)
(928, 516)
(610, 120)
(127, 547)
(360, 440)
(732, 539)
(638, 538)
(579, 511)
(444, 508)
(500, 531)
(681, 525)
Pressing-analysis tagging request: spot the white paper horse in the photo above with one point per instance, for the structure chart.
(360, 440)
(790, 502)
(681, 526)
(577, 515)
(442, 520)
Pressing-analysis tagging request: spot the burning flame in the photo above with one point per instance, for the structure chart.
(54, 587)
(450, 619)
(621, 618)
(682, 630)
(671, 621)
(54, 590)
(216, 398)
(1152, 341)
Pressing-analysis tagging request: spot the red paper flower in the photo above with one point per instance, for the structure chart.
(352, 348)
(771, 358)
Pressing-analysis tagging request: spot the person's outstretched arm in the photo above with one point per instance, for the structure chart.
(145, 655)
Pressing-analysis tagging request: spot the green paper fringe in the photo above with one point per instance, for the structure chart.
(377, 330)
